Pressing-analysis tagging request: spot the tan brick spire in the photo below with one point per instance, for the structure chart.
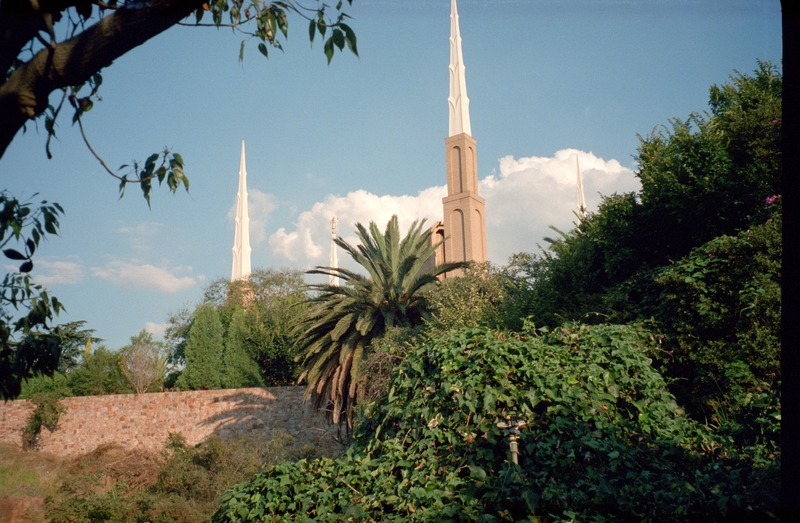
(464, 220)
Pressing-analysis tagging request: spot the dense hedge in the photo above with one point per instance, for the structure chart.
(605, 441)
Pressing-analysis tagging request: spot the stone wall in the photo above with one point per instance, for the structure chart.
(145, 420)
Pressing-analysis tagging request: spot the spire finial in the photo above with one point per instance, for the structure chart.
(581, 199)
(458, 101)
(333, 280)
(241, 238)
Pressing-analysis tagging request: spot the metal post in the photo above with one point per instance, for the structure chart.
(511, 427)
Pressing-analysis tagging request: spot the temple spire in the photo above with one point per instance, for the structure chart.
(464, 220)
(458, 101)
(241, 239)
(333, 280)
(581, 199)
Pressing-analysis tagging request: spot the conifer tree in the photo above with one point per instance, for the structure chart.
(204, 348)
(239, 369)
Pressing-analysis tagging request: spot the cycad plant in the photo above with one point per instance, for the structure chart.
(335, 332)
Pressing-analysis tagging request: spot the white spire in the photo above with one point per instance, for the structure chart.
(581, 199)
(333, 280)
(241, 239)
(458, 101)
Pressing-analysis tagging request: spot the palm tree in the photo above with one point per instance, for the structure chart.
(335, 332)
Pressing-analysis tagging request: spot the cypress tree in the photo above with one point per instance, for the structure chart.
(239, 369)
(204, 348)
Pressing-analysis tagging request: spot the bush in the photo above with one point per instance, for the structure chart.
(56, 384)
(473, 299)
(605, 441)
(48, 410)
(180, 485)
(99, 373)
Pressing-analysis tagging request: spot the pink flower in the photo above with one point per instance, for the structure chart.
(771, 199)
(671, 352)
(710, 255)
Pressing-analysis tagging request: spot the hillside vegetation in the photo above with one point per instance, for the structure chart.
(641, 351)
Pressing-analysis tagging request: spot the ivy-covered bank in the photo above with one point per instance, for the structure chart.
(604, 441)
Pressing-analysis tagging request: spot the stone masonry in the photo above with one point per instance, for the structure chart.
(145, 420)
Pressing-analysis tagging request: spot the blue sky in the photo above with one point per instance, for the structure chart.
(548, 81)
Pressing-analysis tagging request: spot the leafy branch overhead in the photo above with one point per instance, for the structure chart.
(63, 46)
(26, 309)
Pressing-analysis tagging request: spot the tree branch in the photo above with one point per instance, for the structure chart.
(25, 95)
(21, 21)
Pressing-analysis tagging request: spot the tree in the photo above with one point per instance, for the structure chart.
(27, 345)
(73, 339)
(144, 362)
(473, 299)
(334, 334)
(239, 368)
(702, 177)
(99, 373)
(100, 32)
(270, 300)
(35, 64)
(204, 347)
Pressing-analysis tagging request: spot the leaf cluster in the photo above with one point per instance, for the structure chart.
(604, 441)
(267, 303)
(697, 250)
(335, 332)
(45, 414)
(27, 344)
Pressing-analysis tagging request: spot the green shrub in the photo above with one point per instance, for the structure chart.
(470, 300)
(605, 441)
(203, 351)
(48, 410)
(56, 384)
(99, 373)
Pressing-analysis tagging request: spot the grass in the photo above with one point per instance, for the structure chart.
(29, 474)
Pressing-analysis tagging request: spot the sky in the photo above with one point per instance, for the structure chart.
(549, 82)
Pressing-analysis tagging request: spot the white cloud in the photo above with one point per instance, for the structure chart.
(259, 206)
(156, 329)
(522, 201)
(142, 276)
(57, 272)
(531, 194)
(140, 236)
(309, 244)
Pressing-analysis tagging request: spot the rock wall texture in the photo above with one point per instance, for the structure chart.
(145, 420)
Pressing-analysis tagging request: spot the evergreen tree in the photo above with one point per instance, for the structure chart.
(239, 369)
(204, 348)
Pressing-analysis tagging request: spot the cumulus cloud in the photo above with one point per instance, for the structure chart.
(309, 243)
(140, 236)
(143, 276)
(156, 329)
(57, 272)
(530, 194)
(259, 206)
(523, 196)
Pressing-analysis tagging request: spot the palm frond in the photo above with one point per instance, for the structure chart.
(335, 333)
